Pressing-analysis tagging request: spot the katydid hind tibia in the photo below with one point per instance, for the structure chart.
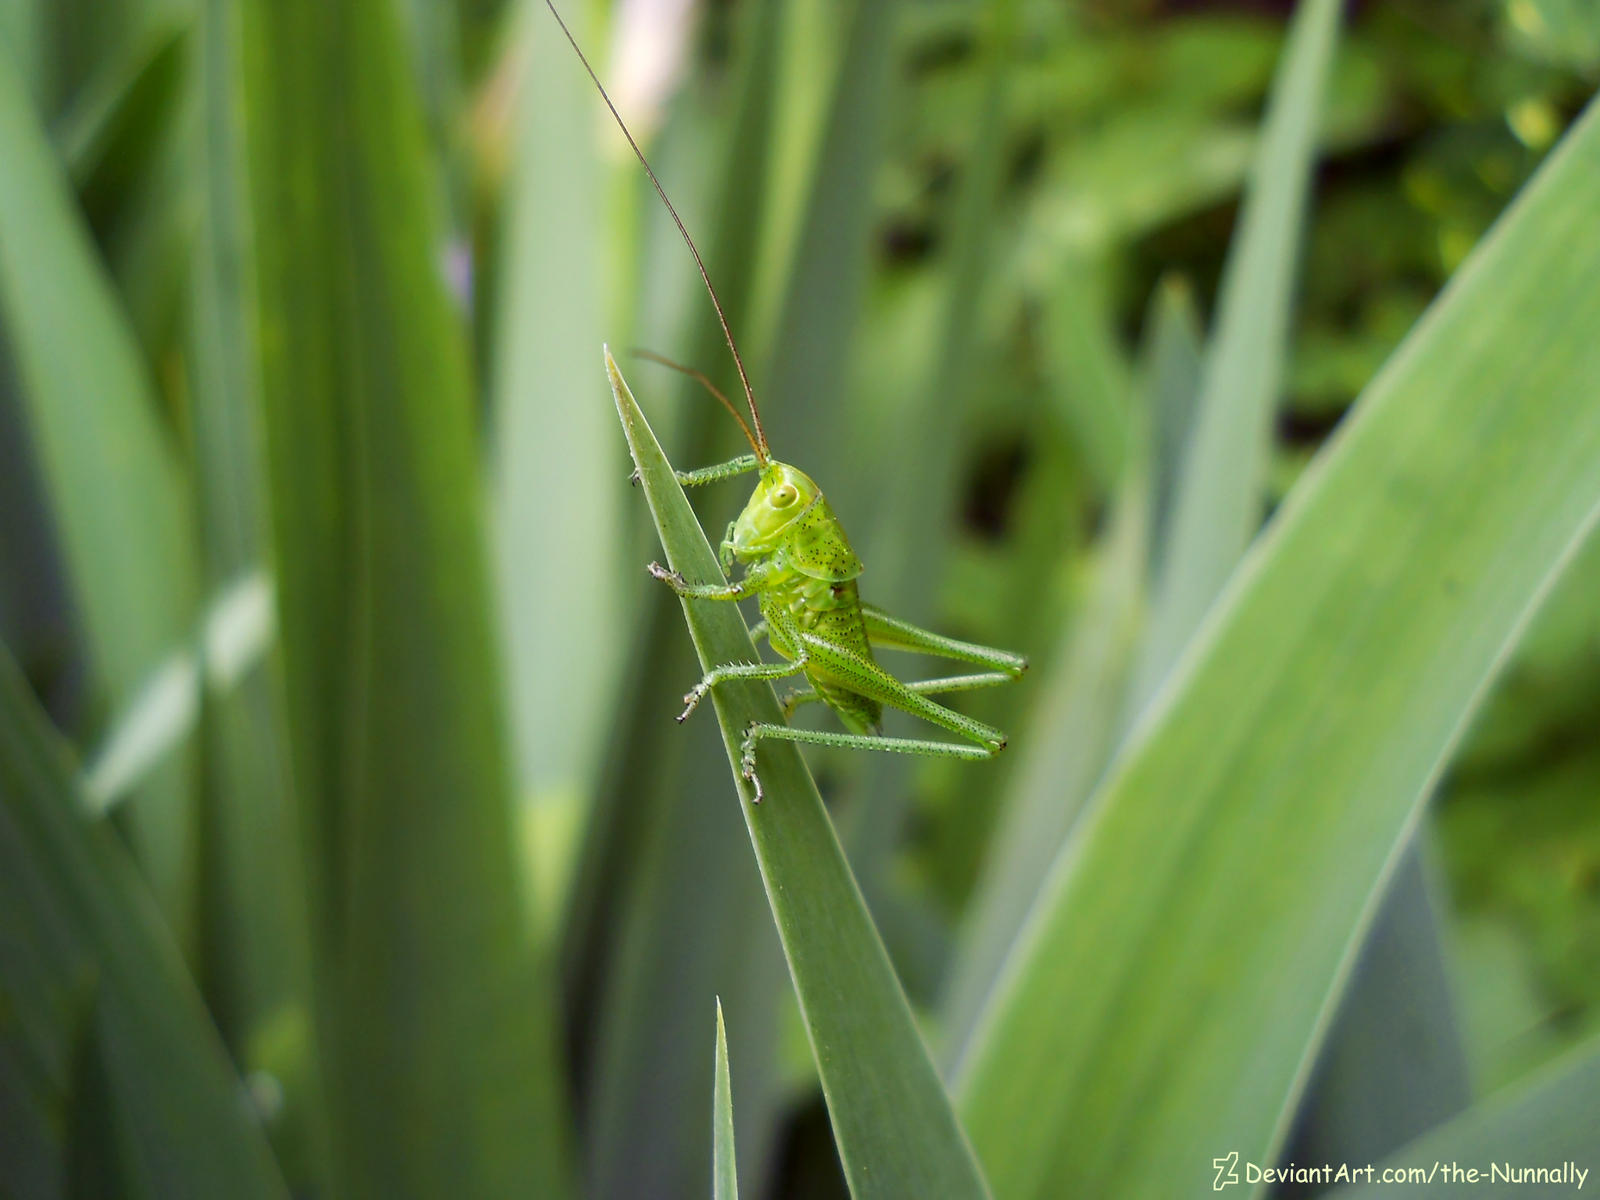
(800, 569)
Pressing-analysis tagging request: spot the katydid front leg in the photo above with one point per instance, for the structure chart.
(753, 582)
(742, 465)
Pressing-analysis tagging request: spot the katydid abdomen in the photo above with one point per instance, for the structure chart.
(832, 612)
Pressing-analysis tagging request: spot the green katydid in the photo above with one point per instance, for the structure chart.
(799, 567)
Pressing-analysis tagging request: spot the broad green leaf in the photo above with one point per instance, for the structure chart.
(892, 1121)
(1230, 862)
(725, 1171)
(114, 483)
(1543, 1124)
(434, 1015)
(1218, 503)
(105, 1049)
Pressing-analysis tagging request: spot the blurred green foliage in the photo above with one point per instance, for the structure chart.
(246, 247)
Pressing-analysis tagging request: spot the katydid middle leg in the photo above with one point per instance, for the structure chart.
(923, 687)
(891, 633)
(727, 671)
(753, 582)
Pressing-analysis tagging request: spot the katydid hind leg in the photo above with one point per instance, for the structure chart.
(757, 732)
(924, 687)
(947, 684)
(868, 679)
(891, 633)
(865, 677)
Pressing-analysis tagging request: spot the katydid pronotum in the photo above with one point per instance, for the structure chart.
(799, 567)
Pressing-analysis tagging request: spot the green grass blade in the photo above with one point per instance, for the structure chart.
(725, 1171)
(114, 482)
(1218, 504)
(254, 946)
(1544, 1123)
(1093, 385)
(1231, 861)
(892, 1121)
(1174, 362)
(99, 1023)
(434, 1014)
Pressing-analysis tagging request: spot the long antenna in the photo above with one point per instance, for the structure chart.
(700, 378)
(760, 441)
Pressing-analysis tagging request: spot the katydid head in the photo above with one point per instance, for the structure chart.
(783, 494)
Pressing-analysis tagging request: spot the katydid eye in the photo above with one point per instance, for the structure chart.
(784, 495)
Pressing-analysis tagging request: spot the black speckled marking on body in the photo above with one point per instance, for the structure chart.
(815, 545)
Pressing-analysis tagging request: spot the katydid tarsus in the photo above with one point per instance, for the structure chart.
(799, 567)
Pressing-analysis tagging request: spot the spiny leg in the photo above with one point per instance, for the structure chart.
(891, 633)
(865, 677)
(757, 731)
(755, 580)
(744, 464)
(729, 671)
(960, 683)
(923, 687)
